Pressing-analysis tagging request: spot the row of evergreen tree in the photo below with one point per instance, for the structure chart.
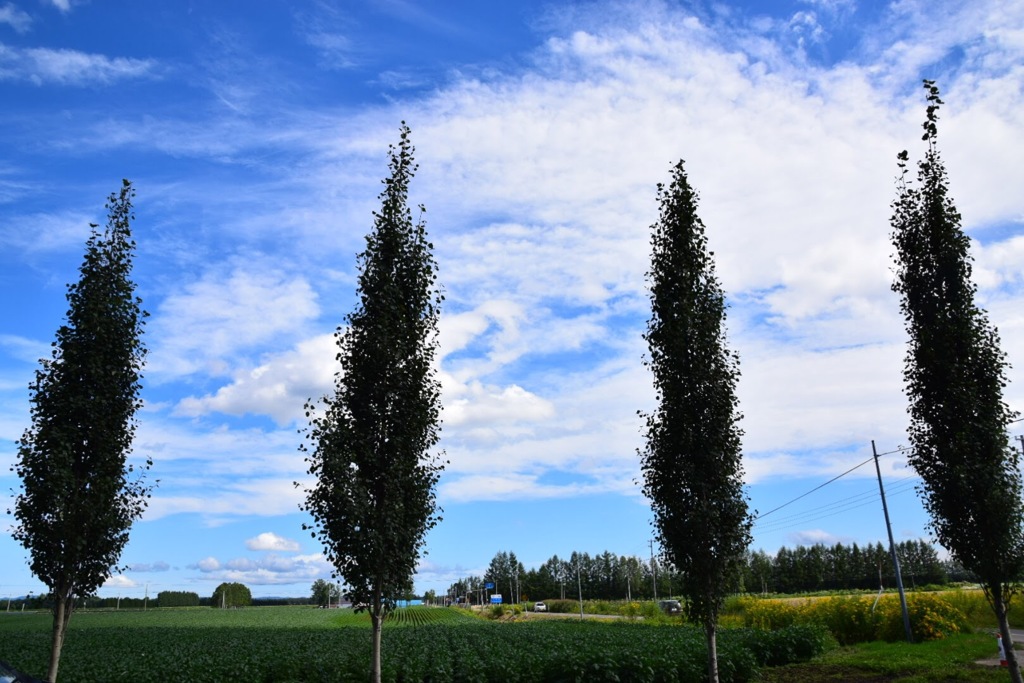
(607, 576)
(821, 567)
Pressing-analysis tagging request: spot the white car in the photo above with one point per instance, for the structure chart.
(540, 607)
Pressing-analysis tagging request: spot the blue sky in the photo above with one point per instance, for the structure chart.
(256, 136)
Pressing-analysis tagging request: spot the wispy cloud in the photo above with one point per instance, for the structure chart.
(204, 324)
(329, 31)
(15, 18)
(148, 567)
(46, 66)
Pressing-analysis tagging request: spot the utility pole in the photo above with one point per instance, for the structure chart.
(892, 549)
(654, 570)
(579, 585)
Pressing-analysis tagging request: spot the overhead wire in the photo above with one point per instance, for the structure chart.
(843, 505)
(849, 502)
(816, 488)
(796, 520)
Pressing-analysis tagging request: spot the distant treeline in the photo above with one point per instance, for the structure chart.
(615, 577)
(821, 567)
(162, 599)
(177, 599)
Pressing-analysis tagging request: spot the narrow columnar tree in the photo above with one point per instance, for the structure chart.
(954, 377)
(369, 446)
(79, 495)
(692, 460)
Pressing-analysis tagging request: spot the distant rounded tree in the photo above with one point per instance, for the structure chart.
(325, 592)
(232, 595)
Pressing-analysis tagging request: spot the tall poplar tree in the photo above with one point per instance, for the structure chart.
(954, 375)
(692, 461)
(79, 495)
(369, 447)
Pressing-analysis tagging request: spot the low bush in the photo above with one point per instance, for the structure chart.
(859, 619)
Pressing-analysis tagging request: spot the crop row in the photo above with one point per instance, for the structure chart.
(463, 651)
(404, 616)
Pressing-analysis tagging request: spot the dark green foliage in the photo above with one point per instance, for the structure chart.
(304, 644)
(79, 496)
(954, 374)
(817, 567)
(603, 577)
(177, 599)
(325, 593)
(505, 572)
(797, 643)
(369, 446)
(840, 567)
(231, 595)
(692, 462)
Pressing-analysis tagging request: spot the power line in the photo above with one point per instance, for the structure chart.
(797, 520)
(820, 486)
(845, 503)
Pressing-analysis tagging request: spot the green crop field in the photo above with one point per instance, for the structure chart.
(420, 644)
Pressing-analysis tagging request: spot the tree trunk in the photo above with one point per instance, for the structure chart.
(999, 606)
(61, 616)
(377, 619)
(710, 633)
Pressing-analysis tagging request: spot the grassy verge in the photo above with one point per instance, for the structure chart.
(941, 661)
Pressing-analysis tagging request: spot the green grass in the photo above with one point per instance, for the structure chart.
(941, 661)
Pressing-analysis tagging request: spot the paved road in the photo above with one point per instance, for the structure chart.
(1018, 645)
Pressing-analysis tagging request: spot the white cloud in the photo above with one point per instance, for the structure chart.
(271, 569)
(271, 541)
(200, 328)
(208, 564)
(15, 18)
(42, 233)
(327, 30)
(159, 566)
(491, 407)
(513, 486)
(279, 387)
(25, 350)
(545, 180)
(119, 581)
(263, 497)
(810, 537)
(69, 67)
(63, 5)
